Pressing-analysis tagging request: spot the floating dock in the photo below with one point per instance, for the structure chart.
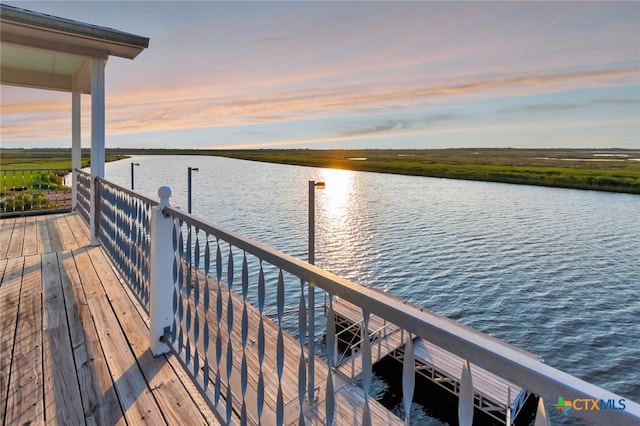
(494, 396)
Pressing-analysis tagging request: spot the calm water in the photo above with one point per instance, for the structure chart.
(553, 271)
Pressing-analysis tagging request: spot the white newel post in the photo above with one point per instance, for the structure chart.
(76, 151)
(97, 141)
(161, 274)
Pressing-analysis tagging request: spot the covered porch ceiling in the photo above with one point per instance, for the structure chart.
(47, 52)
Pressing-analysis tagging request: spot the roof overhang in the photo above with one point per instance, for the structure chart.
(48, 52)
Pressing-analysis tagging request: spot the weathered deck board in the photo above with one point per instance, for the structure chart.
(17, 238)
(25, 402)
(30, 244)
(61, 387)
(3, 264)
(10, 287)
(135, 396)
(43, 235)
(67, 237)
(176, 404)
(55, 242)
(5, 236)
(95, 332)
(65, 354)
(81, 231)
(99, 398)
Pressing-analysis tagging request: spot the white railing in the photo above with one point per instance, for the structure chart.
(123, 229)
(83, 197)
(226, 344)
(207, 290)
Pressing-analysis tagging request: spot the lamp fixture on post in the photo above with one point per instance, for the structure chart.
(312, 289)
(191, 169)
(132, 179)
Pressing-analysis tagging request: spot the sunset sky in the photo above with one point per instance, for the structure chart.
(353, 75)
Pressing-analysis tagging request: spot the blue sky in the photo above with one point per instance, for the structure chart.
(354, 75)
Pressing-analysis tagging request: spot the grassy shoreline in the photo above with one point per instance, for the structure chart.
(613, 170)
(479, 168)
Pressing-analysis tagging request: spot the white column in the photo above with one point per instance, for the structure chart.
(97, 136)
(160, 274)
(76, 152)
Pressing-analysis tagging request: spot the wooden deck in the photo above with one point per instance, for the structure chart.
(349, 400)
(73, 347)
(74, 344)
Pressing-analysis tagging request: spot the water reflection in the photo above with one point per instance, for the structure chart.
(343, 231)
(334, 199)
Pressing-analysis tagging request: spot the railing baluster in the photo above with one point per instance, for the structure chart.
(188, 266)
(245, 333)
(465, 395)
(261, 340)
(280, 350)
(230, 275)
(302, 365)
(181, 274)
(196, 302)
(542, 419)
(205, 336)
(176, 271)
(408, 379)
(218, 381)
(366, 368)
(331, 356)
(508, 408)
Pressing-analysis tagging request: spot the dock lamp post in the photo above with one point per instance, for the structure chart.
(312, 289)
(191, 169)
(132, 180)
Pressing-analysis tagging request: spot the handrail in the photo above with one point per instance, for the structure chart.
(477, 348)
(124, 231)
(129, 192)
(83, 194)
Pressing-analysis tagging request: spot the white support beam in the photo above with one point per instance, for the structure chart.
(97, 137)
(76, 153)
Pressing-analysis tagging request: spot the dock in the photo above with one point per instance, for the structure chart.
(494, 396)
(74, 347)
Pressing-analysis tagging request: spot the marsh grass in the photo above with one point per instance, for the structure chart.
(612, 170)
(578, 169)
